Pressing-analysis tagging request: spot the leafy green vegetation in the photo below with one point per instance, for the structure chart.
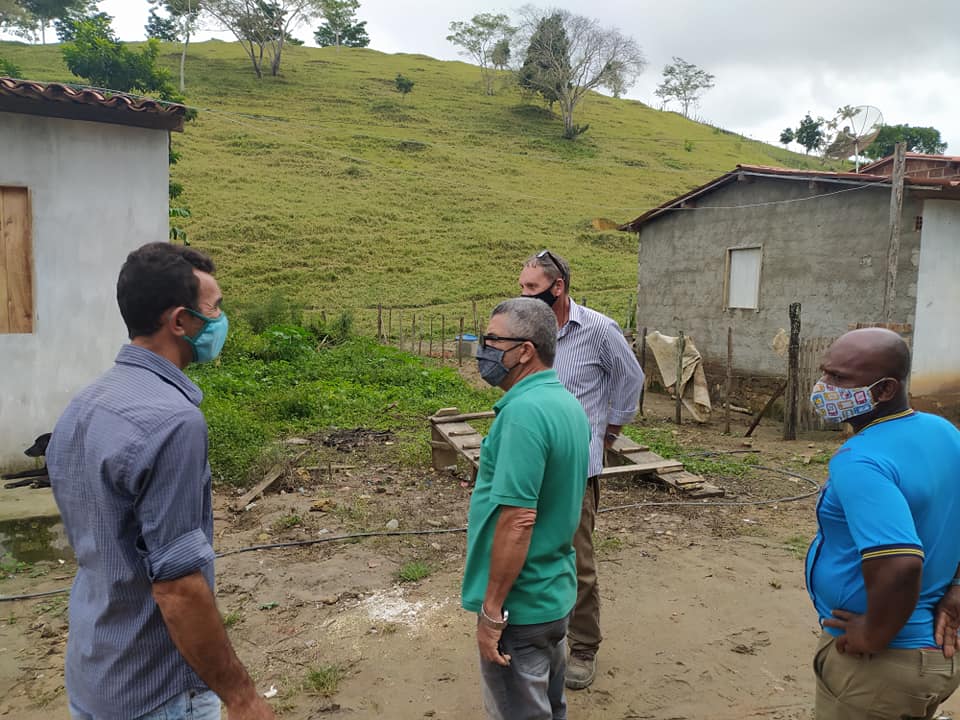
(414, 571)
(291, 379)
(324, 680)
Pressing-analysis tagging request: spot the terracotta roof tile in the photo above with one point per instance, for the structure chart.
(61, 100)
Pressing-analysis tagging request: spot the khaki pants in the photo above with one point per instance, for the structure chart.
(584, 632)
(891, 685)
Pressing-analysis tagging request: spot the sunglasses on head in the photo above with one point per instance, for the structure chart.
(552, 258)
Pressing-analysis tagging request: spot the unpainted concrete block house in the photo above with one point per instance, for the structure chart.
(83, 180)
(736, 252)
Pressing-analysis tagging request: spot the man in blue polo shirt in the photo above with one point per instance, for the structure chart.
(887, 548)
(520, 575)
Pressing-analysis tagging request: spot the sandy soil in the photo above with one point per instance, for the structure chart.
(705, 611)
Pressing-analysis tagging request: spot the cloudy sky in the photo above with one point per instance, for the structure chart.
(773, 60)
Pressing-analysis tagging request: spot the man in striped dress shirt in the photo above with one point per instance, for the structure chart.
(595, 363)
(129, 471)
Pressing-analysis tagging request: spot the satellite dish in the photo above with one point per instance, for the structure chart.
(858, 127)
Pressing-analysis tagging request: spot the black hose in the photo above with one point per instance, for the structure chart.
(444, 531)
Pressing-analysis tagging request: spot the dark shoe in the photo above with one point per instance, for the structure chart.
(581, 667)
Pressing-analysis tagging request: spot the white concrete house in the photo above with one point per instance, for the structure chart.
(83, 180)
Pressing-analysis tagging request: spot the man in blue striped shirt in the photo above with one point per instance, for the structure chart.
(595, 363)
(129, 471)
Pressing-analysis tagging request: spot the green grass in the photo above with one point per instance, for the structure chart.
(290, 379)
(232, 618)
(325, 186)
(414, 571)
(797, 546)
(324, 680)
(662, 440)
(287, 521)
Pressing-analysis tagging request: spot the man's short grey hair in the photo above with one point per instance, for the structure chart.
(554, 266)
(533, 320)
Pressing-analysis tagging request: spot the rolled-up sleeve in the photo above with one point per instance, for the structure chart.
(626, 376)
(173, 496)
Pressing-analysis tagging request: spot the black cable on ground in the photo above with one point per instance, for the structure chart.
(447, 531)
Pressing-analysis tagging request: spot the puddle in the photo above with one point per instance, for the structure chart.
(34, 540)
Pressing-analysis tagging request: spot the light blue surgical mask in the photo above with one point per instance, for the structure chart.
(208, 343)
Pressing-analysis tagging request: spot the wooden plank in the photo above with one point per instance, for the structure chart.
(4, 294)
(651, 467)
(276, 472)
(441, 417)
(18, 259)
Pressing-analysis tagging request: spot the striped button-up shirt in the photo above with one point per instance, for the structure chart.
(128, 467)
(595, 363)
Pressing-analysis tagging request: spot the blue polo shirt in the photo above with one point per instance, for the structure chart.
(128, 468)
(894, 489)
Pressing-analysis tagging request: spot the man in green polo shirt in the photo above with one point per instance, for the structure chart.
(520, 576)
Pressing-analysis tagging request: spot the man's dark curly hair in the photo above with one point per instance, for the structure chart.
(155, 278)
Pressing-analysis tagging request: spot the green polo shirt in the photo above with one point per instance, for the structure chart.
(535, 456)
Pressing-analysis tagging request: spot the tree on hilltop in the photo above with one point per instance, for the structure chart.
(27, 18)
(918, 139)
(263, 28)
(181, 21)
(478, 38)
(583, 57)
(787, 136)
(340, 25)
(685, 83)
(810, 133)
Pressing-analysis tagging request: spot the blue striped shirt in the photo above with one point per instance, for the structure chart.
(129, 471)
(595, 363)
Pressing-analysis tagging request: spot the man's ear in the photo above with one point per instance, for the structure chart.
(560, 284)
(887, 389)
(174, 320)
(529, 352)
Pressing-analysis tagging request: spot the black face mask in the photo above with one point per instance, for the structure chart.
(548, 297)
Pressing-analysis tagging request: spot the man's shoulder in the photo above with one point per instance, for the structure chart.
(588, 317)
(134, 397)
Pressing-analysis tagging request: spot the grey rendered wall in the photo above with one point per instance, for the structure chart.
(829, 254)
(97, 191)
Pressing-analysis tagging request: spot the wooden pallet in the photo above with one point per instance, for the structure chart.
(453, 438)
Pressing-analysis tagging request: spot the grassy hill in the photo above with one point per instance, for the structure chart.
(325, 187)
(328, 186)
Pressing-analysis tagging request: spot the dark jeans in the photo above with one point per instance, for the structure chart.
(531, 687)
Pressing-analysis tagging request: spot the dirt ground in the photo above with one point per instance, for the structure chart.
(704, 608)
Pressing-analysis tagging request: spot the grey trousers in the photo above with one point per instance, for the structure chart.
(531, 687)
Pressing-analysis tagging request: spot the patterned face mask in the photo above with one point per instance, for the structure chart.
(838, 404)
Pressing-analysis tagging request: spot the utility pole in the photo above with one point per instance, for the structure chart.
(896, 210)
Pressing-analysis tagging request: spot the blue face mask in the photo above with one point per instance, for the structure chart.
(208, 343)
(490, 364)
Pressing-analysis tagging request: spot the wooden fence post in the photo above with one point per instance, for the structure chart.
(729, 383)
(443, 338)
(476, 320)
(390, 325)
(431, 336)
(643, 367)
(793, 375)
(460, 344)
(676, 387)
(379, 323)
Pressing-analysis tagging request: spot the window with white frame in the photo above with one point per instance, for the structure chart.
(743, 277)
